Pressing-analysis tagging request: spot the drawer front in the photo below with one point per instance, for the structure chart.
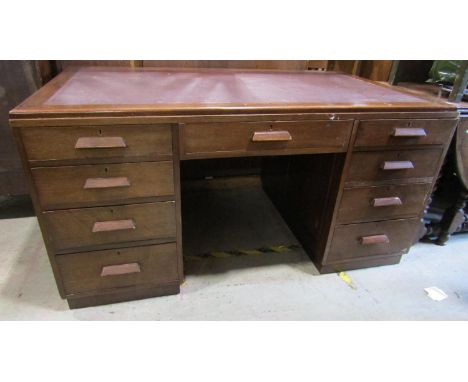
(252, 138)
(69, 230)
(401, 164)
(94, 185)
(115, 268)
(400, 132)
(95, 144)
(372, 239)
(382, 202)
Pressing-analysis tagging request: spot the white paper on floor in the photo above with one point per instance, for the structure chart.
(435, 293)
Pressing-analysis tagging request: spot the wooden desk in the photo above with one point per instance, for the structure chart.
(348, 163)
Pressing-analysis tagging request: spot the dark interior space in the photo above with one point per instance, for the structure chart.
(237, 206)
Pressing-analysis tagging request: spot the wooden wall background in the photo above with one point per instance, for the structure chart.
(19, 79)
(377, 70)
(230, 64)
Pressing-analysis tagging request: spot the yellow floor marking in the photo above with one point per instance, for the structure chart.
(242, 252)
(220, 254)
(280, 248)
(188, 257)
(251, 252)
(347, 280)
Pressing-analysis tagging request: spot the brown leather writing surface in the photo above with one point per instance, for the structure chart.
(95, 87)
(201, 91)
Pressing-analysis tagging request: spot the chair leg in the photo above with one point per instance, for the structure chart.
(453, 218)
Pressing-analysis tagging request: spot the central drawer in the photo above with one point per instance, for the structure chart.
(116, 268)
(72, 230)
(94, 185)
(205, 140)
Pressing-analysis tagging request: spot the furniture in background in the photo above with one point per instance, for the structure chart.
(18, 80)
(417, 72)
(460, 84)
(409, 71)
(350, 168)
(377, 70)
(455, 218)
(447, 212)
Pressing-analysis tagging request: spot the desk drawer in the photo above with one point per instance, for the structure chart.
(386, 165)
(372, 239)
(115, 268)
(401, 132)
(97, 144)
(204, 140)
(94, 185)
(70, 230)
(382, 202)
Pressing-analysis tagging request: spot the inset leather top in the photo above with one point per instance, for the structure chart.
(204, 91)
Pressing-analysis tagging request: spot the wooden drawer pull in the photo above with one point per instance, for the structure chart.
(271, 136)
(122, 269)
(106, 182)
(408, 132)
(100, 143)
(397, 165)
(375, 239)
(114, 225)
(383, 202)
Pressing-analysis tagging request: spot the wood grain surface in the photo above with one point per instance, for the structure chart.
(72, 230)
(101, 270)
(82, 186)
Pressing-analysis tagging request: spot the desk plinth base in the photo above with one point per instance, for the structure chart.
(358, 264)
(122, 295)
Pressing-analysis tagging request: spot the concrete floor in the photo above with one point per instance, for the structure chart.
(271, 286)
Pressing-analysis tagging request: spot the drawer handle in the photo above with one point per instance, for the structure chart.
(272, 136)
(100, 143)
(106, 182)
(122, 269)
(114, 225)
(375, 239)
(408, 132)
(383, 202)
(397, 165)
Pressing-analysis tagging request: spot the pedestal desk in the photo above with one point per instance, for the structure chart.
(348, 163)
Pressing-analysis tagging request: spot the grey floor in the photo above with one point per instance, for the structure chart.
(224, 284)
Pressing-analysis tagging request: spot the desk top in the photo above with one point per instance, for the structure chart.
(433, 90)
(124, 91)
